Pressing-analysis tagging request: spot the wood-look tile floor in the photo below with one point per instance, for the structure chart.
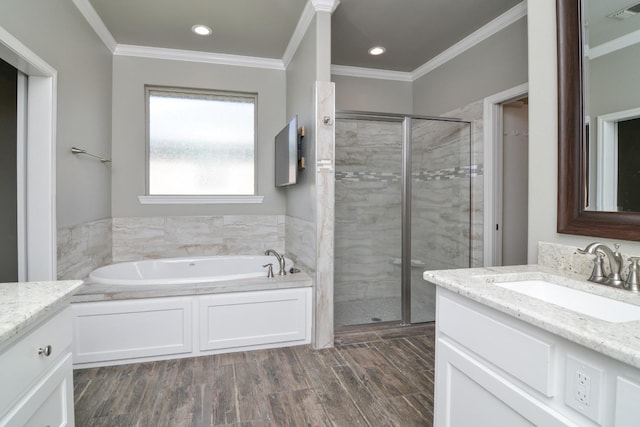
(381, 377)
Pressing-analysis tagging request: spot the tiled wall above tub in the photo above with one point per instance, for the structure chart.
(137, 238)
(82, 248)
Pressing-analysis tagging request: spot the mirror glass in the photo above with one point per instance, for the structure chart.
(612, 105)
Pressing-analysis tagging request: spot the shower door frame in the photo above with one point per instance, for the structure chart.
(405, 238)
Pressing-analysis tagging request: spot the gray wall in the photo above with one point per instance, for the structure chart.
(613, 81)
(57, 32)
(301, 76)
(493, 65)
(375, 95)
(8, 173)
(130, 75)
(543, 134)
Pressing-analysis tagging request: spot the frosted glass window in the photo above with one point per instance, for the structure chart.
(200, 143)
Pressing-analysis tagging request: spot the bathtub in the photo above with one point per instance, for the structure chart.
(206, 305)
(175, 271)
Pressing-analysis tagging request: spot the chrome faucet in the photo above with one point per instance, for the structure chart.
(280, 259)
(615, 263)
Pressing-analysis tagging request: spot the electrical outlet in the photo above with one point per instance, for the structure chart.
(583, 388)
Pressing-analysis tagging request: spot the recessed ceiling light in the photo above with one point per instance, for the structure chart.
(201, 30)
(376, 50)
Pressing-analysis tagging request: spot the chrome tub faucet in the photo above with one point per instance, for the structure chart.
(281, 260)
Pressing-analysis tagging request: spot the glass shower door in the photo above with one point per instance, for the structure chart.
(367, 221)
(440, 205)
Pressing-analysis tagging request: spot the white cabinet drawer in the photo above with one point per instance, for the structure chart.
(117, 330)
(527, 358)
(247, 319)
(21, 365)
(48, 403)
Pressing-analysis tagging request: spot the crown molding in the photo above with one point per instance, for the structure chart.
(196, 56)
(370, 73)
(501, 22)
(614, 45)
(96, 23)
(509, 17)
(325, 5)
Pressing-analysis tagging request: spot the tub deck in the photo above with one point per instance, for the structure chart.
(93, 292)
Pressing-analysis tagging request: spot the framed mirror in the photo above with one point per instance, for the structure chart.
(577, 169)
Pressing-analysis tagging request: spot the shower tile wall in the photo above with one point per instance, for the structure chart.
(368, 213)
(367, 221)
(440, 194)
(474, 113)
(159, 237)
(440, 222)
(82, 248)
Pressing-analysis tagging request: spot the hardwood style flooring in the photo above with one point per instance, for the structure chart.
(373, 377)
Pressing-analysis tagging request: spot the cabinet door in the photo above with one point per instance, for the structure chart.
(116, 330)
(468, 393)
(48, 403)
(627, 400)
(244, 319)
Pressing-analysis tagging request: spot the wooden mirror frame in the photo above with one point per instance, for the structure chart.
(572, 217)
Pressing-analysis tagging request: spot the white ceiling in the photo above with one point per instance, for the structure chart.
(413, 31)
(601, 28)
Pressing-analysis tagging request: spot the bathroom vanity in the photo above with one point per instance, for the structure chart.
(36, 374)
(505, 357)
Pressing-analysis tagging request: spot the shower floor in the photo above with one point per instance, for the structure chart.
(360, 312)
(374, 310)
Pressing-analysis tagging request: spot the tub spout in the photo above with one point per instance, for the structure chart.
(280, 259)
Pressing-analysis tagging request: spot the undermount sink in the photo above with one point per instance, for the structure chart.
(582, 302)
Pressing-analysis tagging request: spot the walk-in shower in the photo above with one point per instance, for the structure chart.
(389, 228)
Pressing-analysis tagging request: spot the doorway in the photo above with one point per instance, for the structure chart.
(515, 182)
(39, 206)
(506, 177)
(8, 173)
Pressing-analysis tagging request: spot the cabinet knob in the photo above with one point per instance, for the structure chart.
(45, 351)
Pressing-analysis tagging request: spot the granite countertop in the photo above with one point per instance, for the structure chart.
(620, 341)
(24, 305)
(92, 292)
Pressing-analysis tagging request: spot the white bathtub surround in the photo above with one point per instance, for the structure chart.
(325, 213)
(189, 319)
(94, 292)
(175, 271)
(136, 238)
(567, 259)
(84, 247)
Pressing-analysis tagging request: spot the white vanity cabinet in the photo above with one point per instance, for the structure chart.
(36, 377)
(495, 370)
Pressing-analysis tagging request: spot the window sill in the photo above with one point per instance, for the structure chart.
(199, 200)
